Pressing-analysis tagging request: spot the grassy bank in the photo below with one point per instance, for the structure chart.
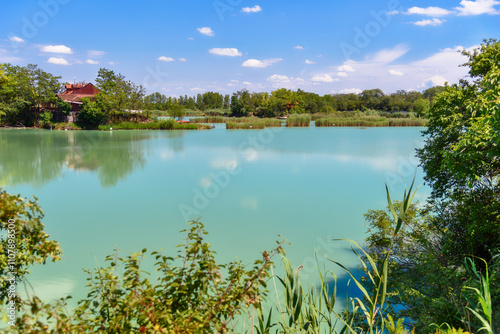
(159, 125)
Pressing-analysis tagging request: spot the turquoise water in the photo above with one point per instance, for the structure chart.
(136, 189)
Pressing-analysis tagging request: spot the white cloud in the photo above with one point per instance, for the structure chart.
(393, 12)
(377, 71)
(283, 81)
(95, 53)
(191, 38)
(298, 47)
(261, 63)
(230, 52)
(112, 63)
(16, 39)
(350, 91)
(278, 78)
(207, 31)
(309, 62)
(434, 22)
(163, 58)
(436, 80)
(57, 61)
(92, 62)
(346, 68)
(247, 83)
(477, 7)
(395, 73)
(429, 11)
(322, 78)
(342, 74)
(254, 9)
(57, 49)
(182, 59)
(9, 59)
(387, 56)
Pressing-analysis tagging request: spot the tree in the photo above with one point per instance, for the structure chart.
(25, 242)
(421, 107)
(25, 93)
(92, 113)
(176, 111)
(237, 108)
(461, 153)
(430, 93)
(372, 98)
(460, 159)
(118, 93)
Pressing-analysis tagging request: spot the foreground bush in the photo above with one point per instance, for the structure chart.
(190, 293)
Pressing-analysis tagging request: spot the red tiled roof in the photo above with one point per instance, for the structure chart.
(74, 93)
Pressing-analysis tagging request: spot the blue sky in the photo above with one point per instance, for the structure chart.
(188, 47)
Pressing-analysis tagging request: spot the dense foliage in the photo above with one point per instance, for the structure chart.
(24, 241)
(429, 272)
(24, 92)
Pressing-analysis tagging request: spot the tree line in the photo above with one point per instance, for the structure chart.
(28, 98)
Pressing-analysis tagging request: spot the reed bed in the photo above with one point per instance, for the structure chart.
(208, 119)
(272, 122)
(247, 126)
(325, 121)
(160, 125)
(408, 122)
(298, 121)
(369, 121)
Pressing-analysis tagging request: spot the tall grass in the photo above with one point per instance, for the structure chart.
(298, 121)
(369, 121)
(168, 124)
(208, 119)
(325, 121)
(314, 311)
(248, 126)
(268, 122)
(408, 122)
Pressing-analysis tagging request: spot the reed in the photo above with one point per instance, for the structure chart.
(247, 126)
(208, 119)
(168, 124)
(272, 122)
(408, 122)
(298, 121)
(325, 121)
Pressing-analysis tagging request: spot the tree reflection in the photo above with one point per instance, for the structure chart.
(36, 157)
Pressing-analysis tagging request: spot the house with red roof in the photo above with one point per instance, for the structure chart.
(74, 94)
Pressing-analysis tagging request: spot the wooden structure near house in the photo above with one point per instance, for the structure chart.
(74, 94)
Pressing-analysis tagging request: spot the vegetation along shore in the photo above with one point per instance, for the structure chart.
(31, 97)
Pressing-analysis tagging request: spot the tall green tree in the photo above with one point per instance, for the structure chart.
(25, 93)
(119, 93)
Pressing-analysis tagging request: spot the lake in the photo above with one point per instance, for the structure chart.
(137, 189)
